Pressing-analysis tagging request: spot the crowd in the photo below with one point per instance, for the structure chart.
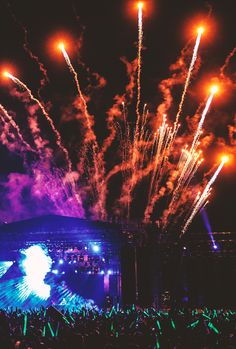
(128, 328)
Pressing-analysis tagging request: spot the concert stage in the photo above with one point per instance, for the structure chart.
(63, 261)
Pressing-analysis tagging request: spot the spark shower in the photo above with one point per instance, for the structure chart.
(160, 162)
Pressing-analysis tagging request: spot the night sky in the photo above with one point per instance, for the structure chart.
(108, 29)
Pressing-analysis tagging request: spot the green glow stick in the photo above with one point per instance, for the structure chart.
(72, 318)
(110, 314)
(193, 324)
(25, 325)
(158, 324)
(157, 343)
(44, 330)
(51, 330)
(57, 330)
(173, 324)
(66, 320)
(213, 327)
(207, 317)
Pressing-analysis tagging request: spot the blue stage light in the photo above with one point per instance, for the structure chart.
(110, 272)
(96, 248)
(61, 261)
(36, 265)
(4, 266)
(55, 271)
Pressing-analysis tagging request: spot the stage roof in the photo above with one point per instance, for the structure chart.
(63, 228)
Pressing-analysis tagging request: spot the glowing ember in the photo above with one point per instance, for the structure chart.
(61, 46)
(140, 6)
(225, 158)
(6, 74)
(200, 30)
(214, 89)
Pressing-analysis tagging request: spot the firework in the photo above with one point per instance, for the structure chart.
(44, 112)
(203, 197)
(214, 90)
(191, 67)
(158, 162)
(98, 173)
(61, 47)
(7, 117)
(139, 57)
(129, 188)
(191, 159)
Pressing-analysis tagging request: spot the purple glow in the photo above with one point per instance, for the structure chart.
(42, 191)
(106, 283)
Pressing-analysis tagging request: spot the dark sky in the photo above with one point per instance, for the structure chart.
(109, 33)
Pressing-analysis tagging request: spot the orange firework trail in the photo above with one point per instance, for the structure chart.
(129, 185)
(140, 43)
(159, 151)
(187, 81)
(214, 89)
(58, 136)
(139, 57)
(61, 46)
(91, 137)
(188, 164)
(191, 159)
(135, 168)
(202, 198)
(15, 126)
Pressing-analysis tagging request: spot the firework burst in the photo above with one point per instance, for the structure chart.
(151, 161)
